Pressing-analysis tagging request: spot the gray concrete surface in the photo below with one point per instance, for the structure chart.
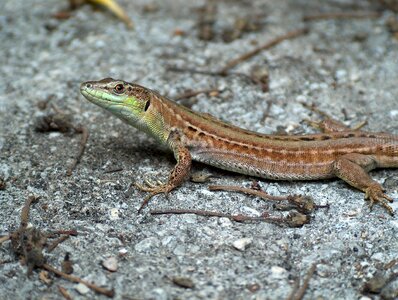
(350, 64)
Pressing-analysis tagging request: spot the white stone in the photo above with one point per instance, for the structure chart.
(225, 222)
(340, 74)
(278, 272)
(81, 288)
(355, 76)
(110, 264)
(251, 211)
(54, 135)
(394, 113)
(123, 251)
(378, 256)
(114, 214)
(242, 244)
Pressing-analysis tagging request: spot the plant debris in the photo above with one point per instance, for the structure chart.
(28, 244)
(184, 282)
(303, 204)
(207, 18)
(289, 35)
(343, 15)
(294, 219)
(3, 184)
(299, 292)
(111, 5)
(392, 25)
(241, 26)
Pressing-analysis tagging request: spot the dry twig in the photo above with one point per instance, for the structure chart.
(190, 94)
(301, 203)
(100, 290)
(298, 292)
(293, 220)
(270, 44)
(56, 243)
(343, 15)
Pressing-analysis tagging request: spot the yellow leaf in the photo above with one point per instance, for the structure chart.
(116, 9)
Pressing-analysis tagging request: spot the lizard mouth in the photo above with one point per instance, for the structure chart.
(97, 96)
(90, 94)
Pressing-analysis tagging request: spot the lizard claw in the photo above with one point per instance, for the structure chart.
(150, 185)
(153, 188)
(375, 194)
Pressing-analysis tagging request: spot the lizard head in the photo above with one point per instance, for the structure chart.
(127, 101)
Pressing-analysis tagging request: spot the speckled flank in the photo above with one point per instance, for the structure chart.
(271, 156)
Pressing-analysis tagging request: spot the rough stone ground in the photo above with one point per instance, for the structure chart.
(341, 64)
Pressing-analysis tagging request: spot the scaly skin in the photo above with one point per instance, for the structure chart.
(338, 152)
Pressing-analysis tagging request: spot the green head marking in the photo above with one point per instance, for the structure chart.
(127, 101)
(130, 102)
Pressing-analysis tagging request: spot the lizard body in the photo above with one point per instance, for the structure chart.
(338, 152)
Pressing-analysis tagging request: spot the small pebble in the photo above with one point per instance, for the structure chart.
(225, 222)
(110, 264)
(123, 251)
(379, 256)
(82, 289)
(242, 244)
(114, 214)
(184, 282)
(394, 113)
(278, 272)
(341, 74)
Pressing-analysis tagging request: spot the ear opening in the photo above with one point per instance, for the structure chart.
(147, 104)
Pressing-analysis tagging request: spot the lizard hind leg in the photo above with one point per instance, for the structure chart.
(329, 124)
(353, 168)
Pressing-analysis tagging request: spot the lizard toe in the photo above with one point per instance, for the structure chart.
(375, 194)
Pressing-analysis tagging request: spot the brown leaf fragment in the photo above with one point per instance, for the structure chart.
(253, 287)
(67, 264)
(375, 284)
(207, 18)
(296, 219)
(44, 277)
(53, 122)
(64, 293)
(3, 184)
(33, 242)
(184, 282)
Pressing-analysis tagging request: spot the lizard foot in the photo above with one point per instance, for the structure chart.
(375, 194)
(153, 188)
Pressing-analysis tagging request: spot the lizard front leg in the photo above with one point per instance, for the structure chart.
(353, 168)
(176, 177)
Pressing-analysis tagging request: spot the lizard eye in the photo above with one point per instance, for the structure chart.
(119, 88)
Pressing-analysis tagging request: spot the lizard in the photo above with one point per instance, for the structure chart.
(338, 151)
